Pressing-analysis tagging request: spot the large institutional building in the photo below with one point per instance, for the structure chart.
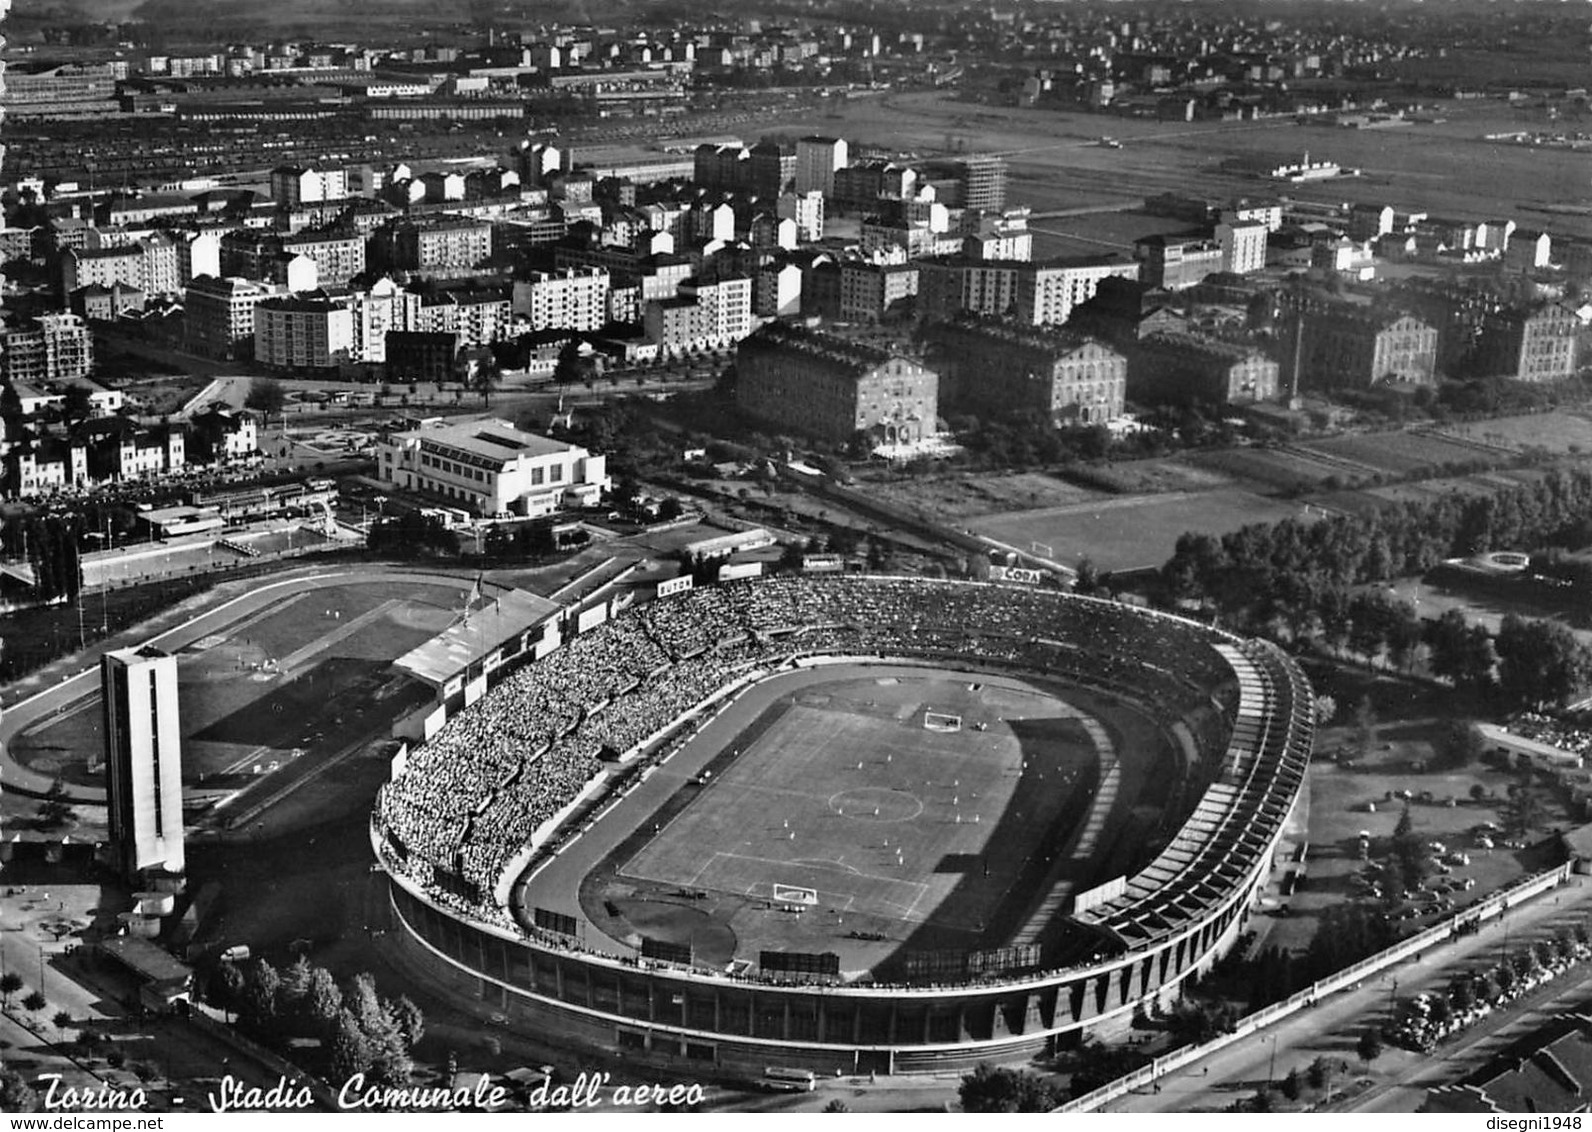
(491, 467)
(143, 760)
(993, 367)
(815, 383)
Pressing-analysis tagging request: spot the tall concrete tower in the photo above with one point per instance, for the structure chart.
(143, 759)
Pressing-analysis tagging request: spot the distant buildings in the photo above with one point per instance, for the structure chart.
(143, 761)
(1535, 344)
(1182, 368)
(815, 383)
(1175, 263)
(49, 347)
(817, 161)
(998, 367)
(1341, 345)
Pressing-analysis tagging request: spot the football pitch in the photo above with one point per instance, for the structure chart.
(306, 674)
(838, 811)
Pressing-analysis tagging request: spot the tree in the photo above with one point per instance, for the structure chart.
(669, 510)
(410, 1021)
(1261, 1101)
(1364, 727)
(990, 1089)
(1319, 1073)
(837, 1105)
(16, 1095)
(295, 985)
(1458, 745)
(266, 395)
(261, 987)
(229, 986)
(323, 1002)
(79, 403)
(350, 1052)
(55, 811)
(485, 377)
(63, 1019)
(569, 368)
(1292, 1086)
(1524, 811)
(35, 1001)
(1369, 1047)
(10, 983)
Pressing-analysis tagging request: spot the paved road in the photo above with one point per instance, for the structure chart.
(1334, 1024)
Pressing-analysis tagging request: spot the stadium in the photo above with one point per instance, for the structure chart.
(848, 824)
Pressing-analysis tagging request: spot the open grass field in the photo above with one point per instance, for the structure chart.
(1134, 532)
(959, 496)
(907, 838)
(1400, 453)
(307, 675)
(1444, 167)
(1563, 431)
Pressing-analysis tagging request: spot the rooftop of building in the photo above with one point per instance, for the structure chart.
(492, 440)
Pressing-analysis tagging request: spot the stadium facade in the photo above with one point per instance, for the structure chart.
(1243, 706)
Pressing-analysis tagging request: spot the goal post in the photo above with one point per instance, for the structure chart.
(941, 721)
(794, 894)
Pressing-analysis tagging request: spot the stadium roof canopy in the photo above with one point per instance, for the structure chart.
(462, 647)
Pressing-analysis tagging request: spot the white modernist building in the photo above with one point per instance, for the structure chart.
(492, 468)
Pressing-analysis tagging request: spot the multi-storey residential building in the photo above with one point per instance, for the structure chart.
(41, 465)
(677, 325)
(492, 468)
(1047, 292)
(1002, 235)
(304, 332)
(864, 185)
(121, 449)
(977, 181)
(777, 292)
(995, 367)
(1243, 245)
(818, 159)
(1174, 263)
(1536, 344)
(218, 315)
(807, 210)
(1339, 345)
(478, 315)
(102, 267)
(727, 302)
(50, 347)
(1183, 368)
(103, 304)
(771, 169)
(575, 298)
(446, 247)
(384, 309)
(870, 292)
(338, 255)
(294, 185)
(418, 355)
(948, 285)
(807, 381)
(222, 435)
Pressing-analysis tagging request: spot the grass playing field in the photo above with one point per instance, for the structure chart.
(905, 837)
(1133, 532)
(302, 675)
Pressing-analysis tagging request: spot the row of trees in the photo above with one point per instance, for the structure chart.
(1267, 570)
(52, 548)
(360, 1031)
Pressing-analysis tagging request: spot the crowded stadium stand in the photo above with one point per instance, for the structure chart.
(485, 800)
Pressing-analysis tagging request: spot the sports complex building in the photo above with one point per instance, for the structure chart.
(848, 823)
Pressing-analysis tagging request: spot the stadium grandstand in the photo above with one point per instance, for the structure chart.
(479, 812)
